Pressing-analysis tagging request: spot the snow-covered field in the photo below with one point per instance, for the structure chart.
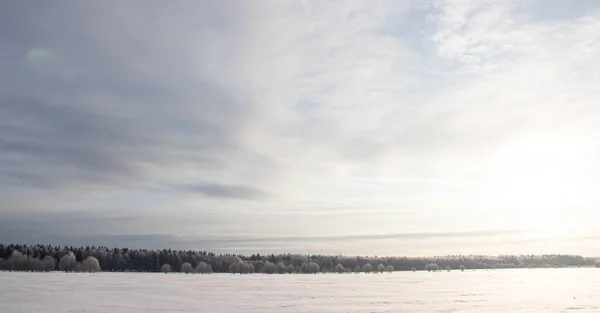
(521, 290)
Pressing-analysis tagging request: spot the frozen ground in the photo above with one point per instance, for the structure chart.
(539, 290)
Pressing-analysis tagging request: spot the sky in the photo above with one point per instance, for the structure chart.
(383, 127)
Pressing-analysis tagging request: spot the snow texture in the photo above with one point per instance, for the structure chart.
(518, 290)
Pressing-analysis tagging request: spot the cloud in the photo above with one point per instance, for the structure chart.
(382, 115)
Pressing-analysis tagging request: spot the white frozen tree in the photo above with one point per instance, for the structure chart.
(203, 268)
(187, 268)
(389, 268)
(357, 269)
(414, 269)
(432, 267)
(165, 268)
(290, 268)
(597, 263)
(367, 268)
(462, 268)
(36, 265)
(314, 267)
(281, 268)
(241, 267)
(381, 268)
(448, 268)
(17, 261)
(67, 263)
(339, 268)
(269, 268)
(49, 263)
(90, 265)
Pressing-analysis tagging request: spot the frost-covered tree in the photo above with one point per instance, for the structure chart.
(597, 263)
(339, 268)
(414, 269)
(241, 267)
(17, 261)
(165, 268)
(90, 265)
(203, 268)
(67, 263)
(314, 268)
(432, 267)
(187, 268)
(49, 263)
(367, 268)
(36, 265)
(448, 268)
(462, 268)
(389, 268)
(281, 268)
(269, 268)
(357, 269)
(290, 268)
(380, 268)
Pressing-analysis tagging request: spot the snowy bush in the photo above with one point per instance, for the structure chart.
(448, 268)
(367, 268)
(389, 268)
(165, 268)
(314, 267)
(432, 267)
(380, 268)
(290, 268)
(339, 268)
(357, 269)
(187, 268)
(36, 265)
(90, 265)
(67, 263)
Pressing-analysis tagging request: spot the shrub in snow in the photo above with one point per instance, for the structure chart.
(187, 267)
(67, 263)
(432, 267)
(357, 269)
(290, 268)
(414, 269)
(448, 268)
(462, 268)
(90, 265)
(203, 268)
(367, 268)
(380, 268)
(165, 268)
(339, 268)
(389, 268)
(49, 263)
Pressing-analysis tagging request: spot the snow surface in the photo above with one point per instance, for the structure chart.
(519, 290)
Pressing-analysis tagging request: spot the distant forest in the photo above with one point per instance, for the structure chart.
(92, 259)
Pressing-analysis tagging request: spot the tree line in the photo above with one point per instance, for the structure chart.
(16, 257)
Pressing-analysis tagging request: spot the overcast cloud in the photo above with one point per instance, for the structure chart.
(355, 127)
